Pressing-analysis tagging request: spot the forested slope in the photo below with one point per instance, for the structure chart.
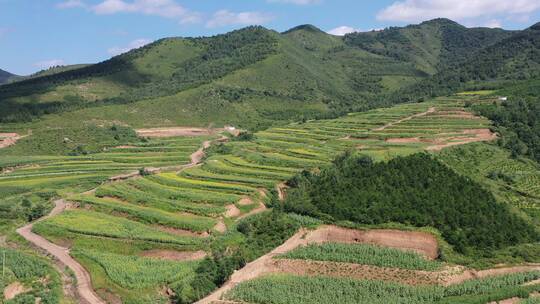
(254, 77)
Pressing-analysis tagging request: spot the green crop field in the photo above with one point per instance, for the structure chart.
(38, 278)
(363, 254)
(277, 289)
(187, 209)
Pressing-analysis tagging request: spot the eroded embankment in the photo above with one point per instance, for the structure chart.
(421, 242)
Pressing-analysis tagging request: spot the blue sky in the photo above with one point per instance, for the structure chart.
(35, 34)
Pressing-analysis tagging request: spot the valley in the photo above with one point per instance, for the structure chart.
(185, 201)
(398, 165)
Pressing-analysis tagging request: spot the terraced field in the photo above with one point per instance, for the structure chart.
(515, 181)
(187, 208)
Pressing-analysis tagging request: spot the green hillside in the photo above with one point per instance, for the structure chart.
(5, 76)
(511, 60)
(255, 78)
(250, 77)
(431, 45)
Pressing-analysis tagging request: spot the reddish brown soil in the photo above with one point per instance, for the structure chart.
(473, 274)
(355, 271)
(220, 227)
(245, 201)
(420, 242)
(441, 142)
(403, 140)
(174, 255)
(8, 139)
(14, 289)
(232, 211)
(469, 136)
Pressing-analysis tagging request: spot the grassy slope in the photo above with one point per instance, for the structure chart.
(309, 74)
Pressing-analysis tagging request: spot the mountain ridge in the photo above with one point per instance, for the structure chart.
(6, 76)
(254, 76)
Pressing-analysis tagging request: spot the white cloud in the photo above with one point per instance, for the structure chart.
(135, 44)
(71, 4)
(225, 17)
(493, 23)
(49, 63)
(420, 10)
(298, 2)
(162, 8)
(342, 30)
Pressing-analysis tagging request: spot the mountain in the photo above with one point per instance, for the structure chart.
(6, 76)
(515, 58)
(254, 77)
(431, 45)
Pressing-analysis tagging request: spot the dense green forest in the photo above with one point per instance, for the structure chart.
(517, 119)
(415, 190)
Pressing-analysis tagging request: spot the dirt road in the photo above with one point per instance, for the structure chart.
(84, 284)
(430, 110)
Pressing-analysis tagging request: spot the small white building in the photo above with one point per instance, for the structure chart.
(503, 98)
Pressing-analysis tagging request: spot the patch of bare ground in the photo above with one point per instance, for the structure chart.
(124, 147)
(220, 227)
(8, 139)
(469, 136)
(354, 271)
(403, 140)
(14, 289)
(259, 209)
(232, 211)
(281, 190)
(180, 232)
(176, 131)
(468, 274)
(245, 201)
(515, 300)
(420, 242)
(444, 140)
(174, 255)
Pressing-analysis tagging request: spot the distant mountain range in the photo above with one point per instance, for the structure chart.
(6, 76)
(254, 76)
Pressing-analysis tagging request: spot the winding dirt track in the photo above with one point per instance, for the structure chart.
(84, 284)
(430, 110)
